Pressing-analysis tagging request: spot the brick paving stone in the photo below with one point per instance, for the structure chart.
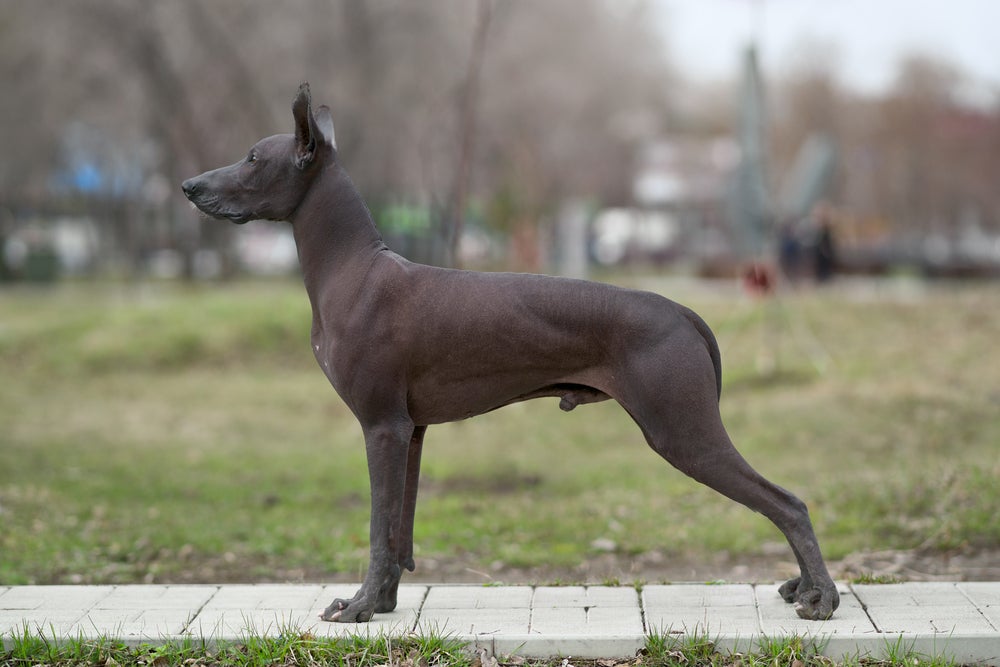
(396, 623)
(913, 594)
(584, 596)
(778, 618)
(982, 593)
(469, 622)
(52, 611)
(132, 624)
(54, 597)
(699, 595)
(151, 598)
(958, 620)
(399, 622)
(50, 623)
(479, 597)
(933, 620)
(694, 610)
(234, 624)
(581, 622)
(923, 608)
(237, 611)
(298, 597)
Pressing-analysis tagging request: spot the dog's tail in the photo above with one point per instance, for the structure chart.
(710, 342)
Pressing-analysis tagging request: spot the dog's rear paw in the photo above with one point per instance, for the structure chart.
(817, 604)
(812, 602)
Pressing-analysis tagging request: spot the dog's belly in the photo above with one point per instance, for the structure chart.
(466, 375)
(461, 400)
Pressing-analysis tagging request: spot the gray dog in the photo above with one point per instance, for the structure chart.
(407, 345)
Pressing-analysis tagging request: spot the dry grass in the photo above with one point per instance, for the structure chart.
(166, 434)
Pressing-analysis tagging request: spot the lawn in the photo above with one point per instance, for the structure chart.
(159, 433)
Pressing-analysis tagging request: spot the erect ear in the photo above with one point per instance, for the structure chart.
(305, 128)
(324, 121)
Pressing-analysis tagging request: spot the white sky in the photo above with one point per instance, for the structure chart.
(864, 38)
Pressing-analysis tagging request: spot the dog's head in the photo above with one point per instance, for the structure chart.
(270, 182)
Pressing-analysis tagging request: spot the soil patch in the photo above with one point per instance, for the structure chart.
(652, 567)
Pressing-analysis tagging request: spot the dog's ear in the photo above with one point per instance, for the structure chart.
(324, 121)
(305, 128)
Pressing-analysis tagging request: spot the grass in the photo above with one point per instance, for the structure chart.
(300, 649)
(156, 433)
(870, 578)
(304, 650)
(698, 650)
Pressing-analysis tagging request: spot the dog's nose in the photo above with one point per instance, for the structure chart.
(190, 187)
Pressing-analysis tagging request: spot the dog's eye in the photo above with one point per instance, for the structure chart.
(252, 157)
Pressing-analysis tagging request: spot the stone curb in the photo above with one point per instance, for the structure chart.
(959, 620)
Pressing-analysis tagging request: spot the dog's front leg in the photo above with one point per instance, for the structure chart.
(387, 445)
(387, 598)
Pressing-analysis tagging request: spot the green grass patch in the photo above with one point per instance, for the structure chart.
(304, 650)
(870, 578)
(293, 648)
(156, 433)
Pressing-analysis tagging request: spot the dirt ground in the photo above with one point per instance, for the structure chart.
(653, 567)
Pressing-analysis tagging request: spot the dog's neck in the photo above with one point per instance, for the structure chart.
(335, 236)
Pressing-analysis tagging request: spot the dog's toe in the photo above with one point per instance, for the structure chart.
(789, 589)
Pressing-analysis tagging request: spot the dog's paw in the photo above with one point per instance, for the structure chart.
(817, 604)
(357, 610)
(812, 602)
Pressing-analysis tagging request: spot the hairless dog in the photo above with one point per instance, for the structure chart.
(407, 345)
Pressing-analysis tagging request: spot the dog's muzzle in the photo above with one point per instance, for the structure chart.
(208, 203)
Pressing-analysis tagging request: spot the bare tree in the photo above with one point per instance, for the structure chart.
(468, 114)
(548, 101)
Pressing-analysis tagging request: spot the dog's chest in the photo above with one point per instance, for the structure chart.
(325, 350)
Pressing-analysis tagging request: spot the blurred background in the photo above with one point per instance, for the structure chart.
(161, 414)
(544, 136)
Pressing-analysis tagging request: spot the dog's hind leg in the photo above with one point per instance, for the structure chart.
(677, 410)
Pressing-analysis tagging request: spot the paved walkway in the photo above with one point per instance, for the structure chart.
(957, 620)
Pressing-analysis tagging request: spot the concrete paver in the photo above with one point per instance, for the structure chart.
(469, 623)
(53, 611)
(777, 617)
(478, 597)
(957, 620)
(237, 610)
(396, 623)
(584, 596)
(725, 613)
(981, 593)
(54, 597)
